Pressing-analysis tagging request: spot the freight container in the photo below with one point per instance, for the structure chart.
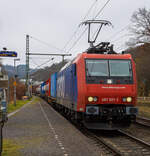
(42, 89)
(54, 85)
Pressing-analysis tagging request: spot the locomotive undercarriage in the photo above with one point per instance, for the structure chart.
(109, 116)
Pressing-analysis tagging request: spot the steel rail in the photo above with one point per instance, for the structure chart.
(147, 145)
(101, 141)
(145, 123)
(143, 118)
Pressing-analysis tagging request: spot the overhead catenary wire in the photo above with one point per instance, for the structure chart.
(34, 61)
(43, 42)
(38, 66)
(119, 38)
(99, 14)
(102, 9)
(87, 28)
(118, 32)
(75, 32)
(77, 40)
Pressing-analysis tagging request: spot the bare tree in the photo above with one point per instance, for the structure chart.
(140, 28)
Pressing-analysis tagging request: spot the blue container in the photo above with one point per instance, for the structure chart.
(67, 86)
(70, 88)
(42, 89)
(54, 85)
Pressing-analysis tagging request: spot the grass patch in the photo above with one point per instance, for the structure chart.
(10, 149)
(144, 108)
(19, 104)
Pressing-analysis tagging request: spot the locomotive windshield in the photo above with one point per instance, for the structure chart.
(97, 70)
(120, 68)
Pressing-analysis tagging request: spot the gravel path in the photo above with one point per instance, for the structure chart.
(41, 131)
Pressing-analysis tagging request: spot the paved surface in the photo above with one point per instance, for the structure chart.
(41, 131)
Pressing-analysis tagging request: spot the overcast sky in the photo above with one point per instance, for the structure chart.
(54, 22)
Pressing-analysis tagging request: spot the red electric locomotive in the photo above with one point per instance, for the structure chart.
(107, 90)
(99, 88)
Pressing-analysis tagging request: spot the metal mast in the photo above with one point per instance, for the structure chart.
(28, 93)
(27, 66)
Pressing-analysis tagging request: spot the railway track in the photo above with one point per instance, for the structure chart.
(127, 143)
(105, 148)
(124, 144)
(115, 143)
(143, 121)
(118, 143)
(141, 147)
(140, 129)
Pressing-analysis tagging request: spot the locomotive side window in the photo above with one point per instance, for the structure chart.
(97, 68)
(120, 68)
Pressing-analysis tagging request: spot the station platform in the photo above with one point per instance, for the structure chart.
(41, 131)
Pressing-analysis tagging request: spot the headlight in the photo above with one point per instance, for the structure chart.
(90, 99)
(129, 99)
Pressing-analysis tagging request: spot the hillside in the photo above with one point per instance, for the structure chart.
(44, 74)
(21, 70)
(36, 74)
(141, 55)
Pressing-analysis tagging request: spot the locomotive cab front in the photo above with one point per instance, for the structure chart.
(110, 90)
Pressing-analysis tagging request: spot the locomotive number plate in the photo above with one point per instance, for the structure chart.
(110, 100)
